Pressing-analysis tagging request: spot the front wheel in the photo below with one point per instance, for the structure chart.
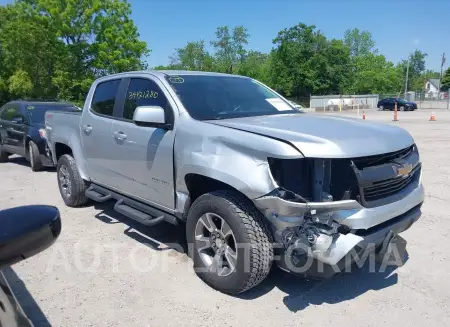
(402, 108)
(229, 242)
(35, 159)
(71, 186)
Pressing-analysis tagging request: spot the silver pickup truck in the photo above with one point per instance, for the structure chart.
(254, 180)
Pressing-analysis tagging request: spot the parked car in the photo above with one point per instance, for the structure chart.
(402, 104)
(25, 231)
(242, 168)
(22, 131)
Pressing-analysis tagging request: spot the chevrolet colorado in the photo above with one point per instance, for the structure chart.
(254, 179)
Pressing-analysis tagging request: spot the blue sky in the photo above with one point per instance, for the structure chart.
(398, 26)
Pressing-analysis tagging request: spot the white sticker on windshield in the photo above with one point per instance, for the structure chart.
(279, 104)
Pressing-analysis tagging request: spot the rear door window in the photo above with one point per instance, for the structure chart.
(105, 97)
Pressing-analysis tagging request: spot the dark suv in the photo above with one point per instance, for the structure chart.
(22, 130)
(402, 104)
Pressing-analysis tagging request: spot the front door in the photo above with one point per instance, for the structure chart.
(96, 136)
(143, 156)
(12, 122)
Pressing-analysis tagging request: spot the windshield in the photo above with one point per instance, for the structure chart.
(37, 111)
(221, 97)
(401, 100)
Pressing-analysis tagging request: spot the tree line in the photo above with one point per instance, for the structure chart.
(303, 61)
(56, 48)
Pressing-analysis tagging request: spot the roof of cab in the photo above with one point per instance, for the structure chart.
(162, 73)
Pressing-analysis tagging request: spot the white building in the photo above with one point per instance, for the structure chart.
(432, 87)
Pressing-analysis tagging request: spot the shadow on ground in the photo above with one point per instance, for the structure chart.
(160, 238)
(25, 299)
(21, 161)
(301, 292)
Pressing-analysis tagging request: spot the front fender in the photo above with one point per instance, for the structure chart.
(236, 158)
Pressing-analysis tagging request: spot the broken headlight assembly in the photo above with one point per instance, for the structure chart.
(316, 180)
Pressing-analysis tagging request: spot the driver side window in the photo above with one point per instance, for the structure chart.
(145, 92)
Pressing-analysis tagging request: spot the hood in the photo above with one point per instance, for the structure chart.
(324, 136)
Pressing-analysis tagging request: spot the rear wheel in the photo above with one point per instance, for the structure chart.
(229, 242)
(35, 159)
(381, 108)
(71, 186)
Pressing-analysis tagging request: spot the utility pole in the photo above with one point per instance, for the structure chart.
(440, 76)
(406, 80)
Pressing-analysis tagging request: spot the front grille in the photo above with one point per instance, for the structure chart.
(363, 162)
(382, 189)
(378, 179)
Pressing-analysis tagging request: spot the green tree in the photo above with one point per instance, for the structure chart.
(416, 69)
(29, 46)
(446, 80)
(255, 65)
(193, 56)
(374, 74)
(230, 47)
(304, 62)
(359, 42)
(63, 45)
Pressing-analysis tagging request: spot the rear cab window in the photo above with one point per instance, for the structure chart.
(105, 97)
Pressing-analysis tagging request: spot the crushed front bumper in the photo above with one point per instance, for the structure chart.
(364, 227)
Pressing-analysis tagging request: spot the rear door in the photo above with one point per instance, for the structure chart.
(12, 121)
(143, 156)
(96, 137)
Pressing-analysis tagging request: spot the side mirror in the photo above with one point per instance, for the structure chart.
(17, 120)
(26, 231)
(152, 116)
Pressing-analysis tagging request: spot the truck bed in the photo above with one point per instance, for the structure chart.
(62, 126)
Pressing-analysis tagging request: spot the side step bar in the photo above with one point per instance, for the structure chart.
(137, 215)
(138, 211)
(91, 193)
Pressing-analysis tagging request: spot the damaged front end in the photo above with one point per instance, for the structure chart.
(326, 209)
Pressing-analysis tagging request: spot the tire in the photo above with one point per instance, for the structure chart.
(71, 186)
(381, 108)
(3, 155)
(35, 158)
(247, 227)
(402, 108)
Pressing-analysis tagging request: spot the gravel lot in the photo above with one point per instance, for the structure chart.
(107, 271)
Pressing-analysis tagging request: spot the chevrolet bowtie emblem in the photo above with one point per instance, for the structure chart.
(403, 170)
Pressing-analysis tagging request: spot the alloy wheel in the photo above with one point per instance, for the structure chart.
(64, 180)
(216, 244)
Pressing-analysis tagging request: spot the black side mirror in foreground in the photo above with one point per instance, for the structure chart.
(26, 231)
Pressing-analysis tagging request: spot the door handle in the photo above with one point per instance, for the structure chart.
(120, 136)
(87, 128)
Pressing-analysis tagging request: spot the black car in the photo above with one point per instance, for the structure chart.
(402, 104)
(22, 130)
(25, 231)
